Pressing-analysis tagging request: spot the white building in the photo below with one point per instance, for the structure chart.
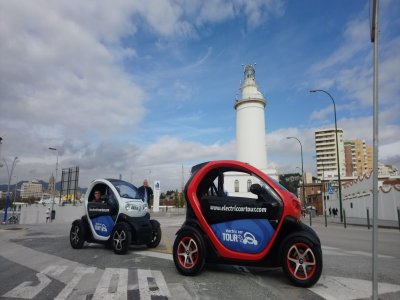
(325, 148)
(31, 189)
(250, 133)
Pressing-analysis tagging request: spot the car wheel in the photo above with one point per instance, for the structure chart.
(189, 253)
(156, 238)
(302, 261)
(77, 235)
(121, 238)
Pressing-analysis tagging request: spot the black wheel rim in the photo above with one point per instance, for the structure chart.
(75, 235)
(119, 238)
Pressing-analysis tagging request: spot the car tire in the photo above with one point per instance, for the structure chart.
(156, 232)
(77, 234)
(189, 253)
(302, 261)
(121, 238)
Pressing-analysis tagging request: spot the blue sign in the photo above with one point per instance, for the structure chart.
(331, 190)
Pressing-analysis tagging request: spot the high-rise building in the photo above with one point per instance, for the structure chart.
(369, 159)
(358, 157)
(325, 148)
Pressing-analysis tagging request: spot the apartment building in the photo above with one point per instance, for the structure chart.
(358, 158)
(326, 154)
(31, 189)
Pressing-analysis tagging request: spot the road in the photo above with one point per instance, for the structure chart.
(37, 262)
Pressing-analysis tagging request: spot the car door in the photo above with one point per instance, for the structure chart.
(242, 221)
(102, 215)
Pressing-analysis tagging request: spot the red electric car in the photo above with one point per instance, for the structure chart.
(238, 215)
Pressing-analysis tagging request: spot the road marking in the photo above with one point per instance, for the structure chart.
(79, 273)
(102, 290)
(71, 273)
(341, 252)
(156, 254)
(331, 287)
(157, 288)
(26, 291)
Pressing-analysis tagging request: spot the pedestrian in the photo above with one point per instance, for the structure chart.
(48, 215)
(330, 211)
(146, 191)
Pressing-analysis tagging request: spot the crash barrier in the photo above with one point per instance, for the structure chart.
(166, 207)
(36, 213)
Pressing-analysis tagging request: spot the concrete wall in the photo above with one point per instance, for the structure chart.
(36, 213)
(357, 197)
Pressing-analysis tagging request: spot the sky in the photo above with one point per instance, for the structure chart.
(145, 89)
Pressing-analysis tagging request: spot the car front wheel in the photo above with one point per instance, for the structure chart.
(302, 261)
(189, 253)
(77, 235)
(121, 238)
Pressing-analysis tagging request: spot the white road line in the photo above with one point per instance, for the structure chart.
(146, 291)
(26, 291)
(79, 272)
(102, 290)
(341, 252)
(332, 288)
(155, 254)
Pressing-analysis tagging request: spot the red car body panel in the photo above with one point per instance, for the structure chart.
(291, 207)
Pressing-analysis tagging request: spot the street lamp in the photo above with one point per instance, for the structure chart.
(337, 152)
(302, 166)
(9, 172)
(54, 184)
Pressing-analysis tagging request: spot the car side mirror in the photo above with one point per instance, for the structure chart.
(255, 188)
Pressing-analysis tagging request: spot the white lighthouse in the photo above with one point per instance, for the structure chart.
(250, 136)
(250, 122)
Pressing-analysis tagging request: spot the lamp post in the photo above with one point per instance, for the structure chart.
(9, 172)
(54, 184)
(337, 153)
(302, 166)
(15, 192)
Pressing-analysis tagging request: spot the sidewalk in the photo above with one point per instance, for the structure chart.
(353, 221)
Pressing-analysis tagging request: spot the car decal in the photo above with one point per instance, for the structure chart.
(103, 225)
(248, 236)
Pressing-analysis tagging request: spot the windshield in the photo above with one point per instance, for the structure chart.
(126, 189)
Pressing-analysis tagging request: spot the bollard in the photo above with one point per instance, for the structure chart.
(398, 216)
(326, 221)
(368, 218)
(344, 218)
(310, 216)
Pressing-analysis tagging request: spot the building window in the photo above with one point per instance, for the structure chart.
(248, 185)
(236, 186)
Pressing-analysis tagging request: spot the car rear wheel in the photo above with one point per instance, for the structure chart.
(156, 238)
(77, 235)
(121, 238)
(302, 261)
(189, 253)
